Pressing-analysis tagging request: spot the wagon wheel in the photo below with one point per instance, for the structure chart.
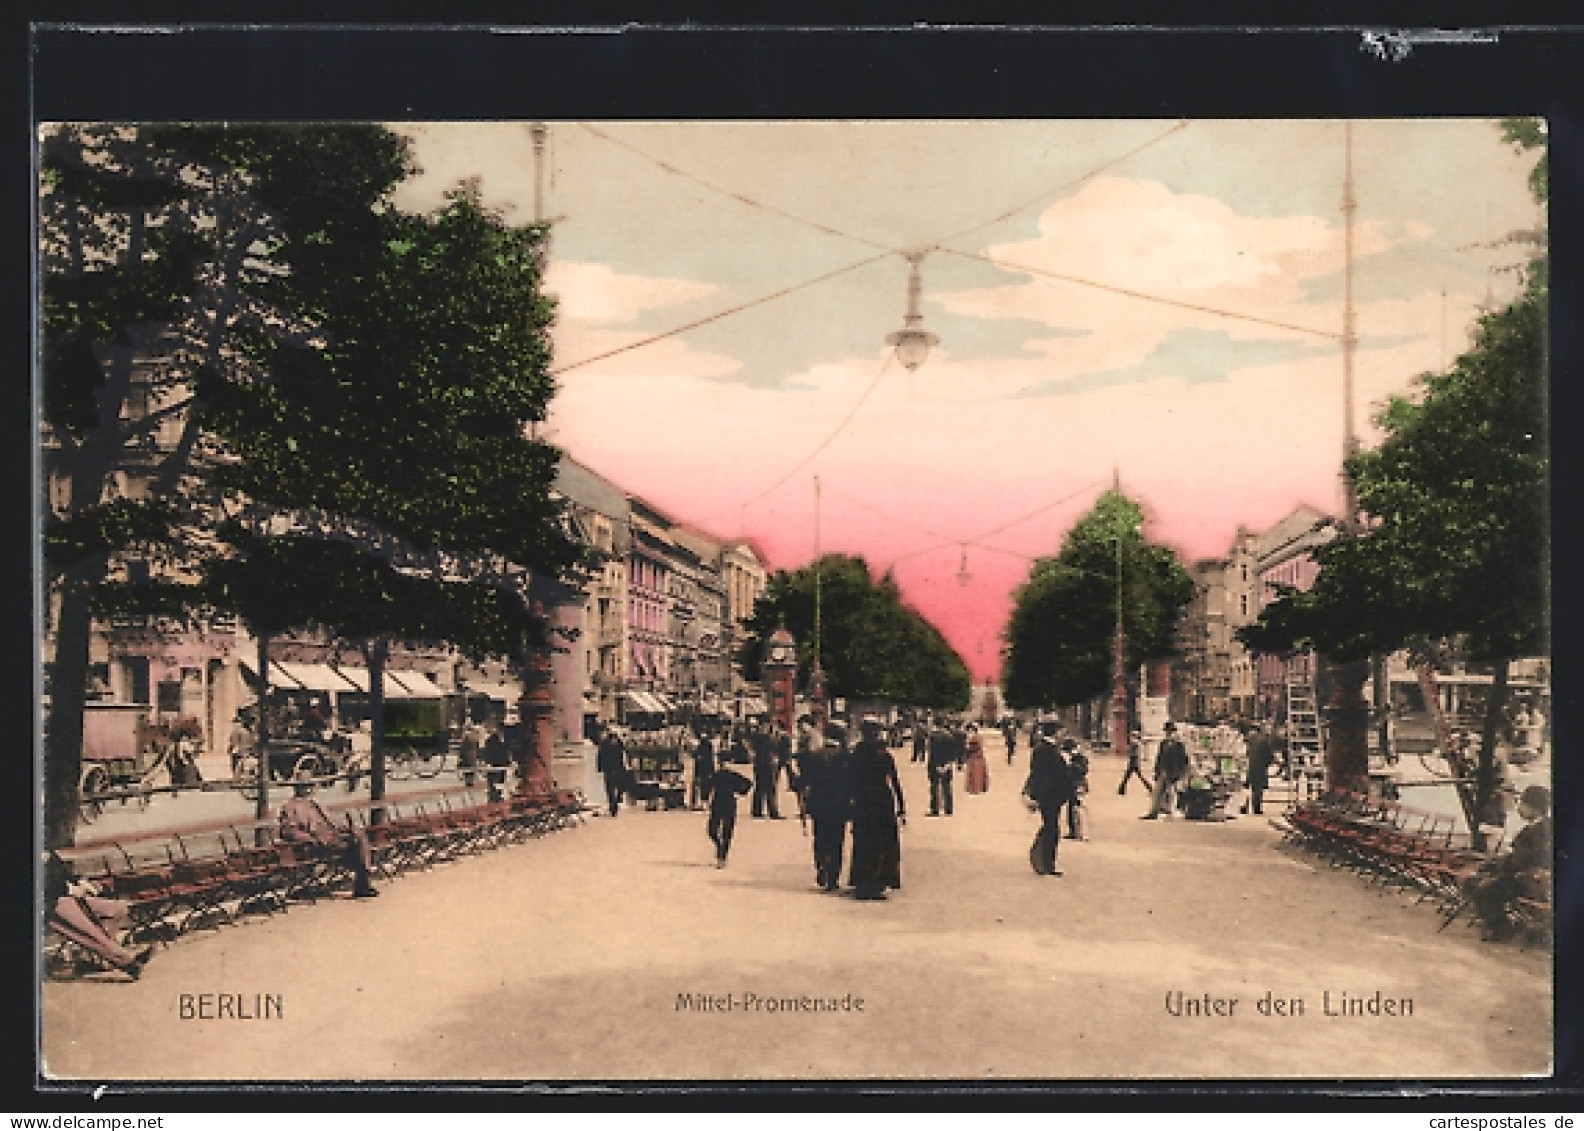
(307, 766)
(95, 780)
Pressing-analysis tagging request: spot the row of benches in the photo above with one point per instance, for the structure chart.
(1396, 845)
(227, 873)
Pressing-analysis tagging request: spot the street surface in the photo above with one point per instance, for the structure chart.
(566, 958)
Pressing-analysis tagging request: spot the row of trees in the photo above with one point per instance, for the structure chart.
(333, 401)
(1453, 552)
(1061, 638)
(871, 644)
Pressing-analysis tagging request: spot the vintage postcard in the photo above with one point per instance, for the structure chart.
(880, 600)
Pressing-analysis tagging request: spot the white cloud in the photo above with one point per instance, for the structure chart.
(592, 292)
(1138, 236)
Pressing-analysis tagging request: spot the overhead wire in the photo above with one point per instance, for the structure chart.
(733, 194)
(716, 317)
(1037, 511)
(823, 444)
(884, 250)
(1141, 295)
(1075, 182)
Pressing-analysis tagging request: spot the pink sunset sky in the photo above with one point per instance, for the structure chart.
(1161, 301)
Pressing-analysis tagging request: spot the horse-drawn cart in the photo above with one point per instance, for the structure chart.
(119, 760)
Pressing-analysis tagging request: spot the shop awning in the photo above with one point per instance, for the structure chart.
(280, 678)
(313, 677)
(500, 692)
(416, 684)
(395, 686)
(647, 702)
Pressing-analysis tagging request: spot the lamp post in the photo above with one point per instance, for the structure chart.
(1347, 712)
(913, 343)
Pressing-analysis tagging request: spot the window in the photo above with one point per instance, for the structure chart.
(1243, 603)
(170, 696)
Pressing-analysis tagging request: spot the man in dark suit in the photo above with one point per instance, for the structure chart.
(1505, 879)
(1047, 788)
(725, 788)
(703, 771)
(1261, 753)
(765, 773)
(611, 761)
(828, 801)
(942, 765)
(1171, 766)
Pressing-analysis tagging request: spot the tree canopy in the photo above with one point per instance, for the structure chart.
(1454, 548)
(1061, 638)
(1455, 531)
(872, 645)
(353, 388)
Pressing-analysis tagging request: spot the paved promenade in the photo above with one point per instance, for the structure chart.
(570, 958)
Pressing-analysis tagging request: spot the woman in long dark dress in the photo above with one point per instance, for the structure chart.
(878, 811)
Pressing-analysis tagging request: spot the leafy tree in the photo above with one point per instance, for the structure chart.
(130, 252)
(402, 423)
(1061, 638)
(1454, 545)
(357, 382)
(872, 645)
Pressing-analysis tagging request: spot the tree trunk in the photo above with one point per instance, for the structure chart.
(64, 726)
(87, 470)
(1486, 781)
(375, 651)
(262, 809)
(1347, 732)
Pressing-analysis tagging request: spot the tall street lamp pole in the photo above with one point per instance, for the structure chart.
(1347, 712)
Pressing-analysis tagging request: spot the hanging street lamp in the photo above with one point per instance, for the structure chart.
(913, 342)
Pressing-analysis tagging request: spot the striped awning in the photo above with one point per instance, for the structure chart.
(398, 685)
(312, 677)
(646, 701)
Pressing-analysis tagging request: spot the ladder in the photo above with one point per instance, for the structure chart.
(1305, 744)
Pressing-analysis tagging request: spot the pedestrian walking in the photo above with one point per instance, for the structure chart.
(1078, 789)
(787, 766)
(1047, 790)
(1171, 766)
(468, 752)
(703, 771)
(611, 762)
(978, 768)
(725, 788)
(765, 773)
(920, 739)
(497, 758)
(1009, 732)
(827, 785)
(1133, 771)
(942, 765)
(878, 812)
(1261, 753)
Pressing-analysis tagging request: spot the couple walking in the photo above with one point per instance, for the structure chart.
(1058, 777)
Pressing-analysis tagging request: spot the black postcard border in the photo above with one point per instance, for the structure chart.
(216, 61)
